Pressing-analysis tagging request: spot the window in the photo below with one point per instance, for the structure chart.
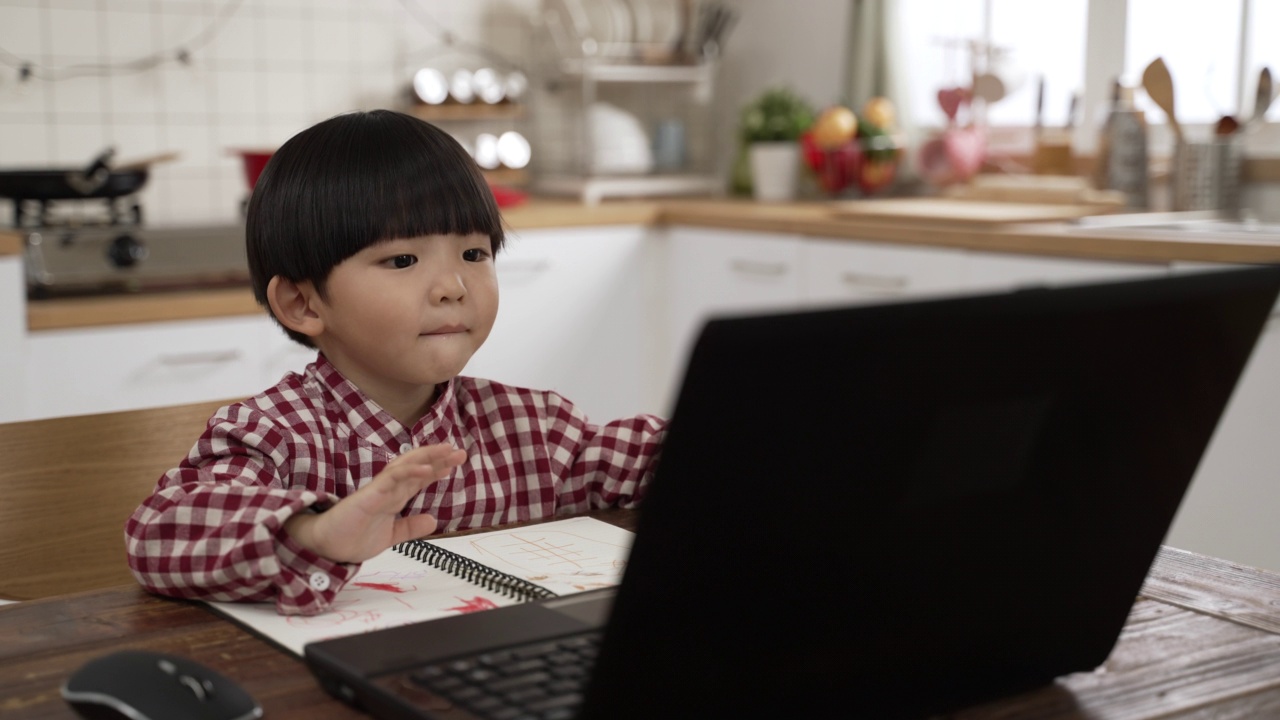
(1214, 50)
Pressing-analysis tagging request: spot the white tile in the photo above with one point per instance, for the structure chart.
(74, 36)
(185, 90)
(238, 41)
(27, 144)
(239, 97)
(241, 135)
(136, 95)
(181, 21)
(23, 100)
(331, 93)
(230, 189)
(286, 94)
(283, 44)
(136, 140)
(332, 40)
(281, 129)
(77, 145)
(21, 32)
(130, 35)
(195, 143)
(190, 197)
(78, 95)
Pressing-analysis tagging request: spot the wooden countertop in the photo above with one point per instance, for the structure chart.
(812, 218)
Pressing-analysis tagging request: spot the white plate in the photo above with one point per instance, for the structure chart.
(664, 21)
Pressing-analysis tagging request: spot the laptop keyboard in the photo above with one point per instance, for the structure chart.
(539, 681)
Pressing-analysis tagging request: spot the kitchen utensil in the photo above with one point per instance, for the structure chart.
(430, 86)
(1159, 86)
(988, 87)
(1263, 97)
(97, 180)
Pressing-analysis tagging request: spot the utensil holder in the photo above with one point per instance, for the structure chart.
(1206, 175)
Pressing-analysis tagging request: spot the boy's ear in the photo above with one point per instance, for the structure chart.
(292, 304)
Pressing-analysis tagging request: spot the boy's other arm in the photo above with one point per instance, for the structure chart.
(601, 466)
(213, 529)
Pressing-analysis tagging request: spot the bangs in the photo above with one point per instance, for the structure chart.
(358, 179)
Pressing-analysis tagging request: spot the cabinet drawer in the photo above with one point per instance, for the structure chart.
(101, 370)
(841, 271)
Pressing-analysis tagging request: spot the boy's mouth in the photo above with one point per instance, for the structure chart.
(447, 330)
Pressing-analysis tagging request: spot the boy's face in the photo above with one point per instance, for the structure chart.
(404, 315)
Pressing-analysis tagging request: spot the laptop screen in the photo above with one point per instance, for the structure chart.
(895, 510)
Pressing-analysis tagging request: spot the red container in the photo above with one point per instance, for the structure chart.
(254, 161)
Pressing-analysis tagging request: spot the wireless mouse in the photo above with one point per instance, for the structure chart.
(145, 685)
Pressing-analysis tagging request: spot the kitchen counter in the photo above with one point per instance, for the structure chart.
(1060, 239)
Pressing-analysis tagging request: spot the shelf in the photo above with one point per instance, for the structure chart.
(593, 189)
(506, 176)
(469, 111)
(604, 71)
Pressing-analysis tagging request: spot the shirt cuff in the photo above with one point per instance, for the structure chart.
(308, 582)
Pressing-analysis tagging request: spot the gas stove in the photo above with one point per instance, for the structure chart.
(76, 257)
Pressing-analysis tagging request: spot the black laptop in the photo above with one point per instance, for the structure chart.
(882, 511)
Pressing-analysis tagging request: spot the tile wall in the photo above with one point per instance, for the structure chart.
(257, 72)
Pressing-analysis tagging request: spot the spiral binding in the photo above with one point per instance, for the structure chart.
(477, 573)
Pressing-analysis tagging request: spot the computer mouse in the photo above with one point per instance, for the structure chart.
(145, 685)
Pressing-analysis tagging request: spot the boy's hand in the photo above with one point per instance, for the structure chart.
(368, 521)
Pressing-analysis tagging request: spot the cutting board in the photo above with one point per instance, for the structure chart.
(944, 211)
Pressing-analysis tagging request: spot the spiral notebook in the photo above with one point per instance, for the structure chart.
(442, 577)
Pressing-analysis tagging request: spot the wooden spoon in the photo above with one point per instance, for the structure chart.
(1263, 97)
(1159, 86)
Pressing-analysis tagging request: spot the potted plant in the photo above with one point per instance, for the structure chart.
(770, 130)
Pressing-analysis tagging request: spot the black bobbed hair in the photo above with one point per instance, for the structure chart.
(354, 180)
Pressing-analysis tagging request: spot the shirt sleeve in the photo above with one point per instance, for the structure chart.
(213, 527)
(600, 466)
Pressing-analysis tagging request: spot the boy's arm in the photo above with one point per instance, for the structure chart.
(601, 466)
(213, 529)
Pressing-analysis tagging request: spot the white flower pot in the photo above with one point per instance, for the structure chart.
(775, 169)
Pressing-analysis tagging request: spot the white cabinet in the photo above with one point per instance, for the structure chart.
(713, 272)
(12, 338)
(1231, 509)
(844, 272)
(574, 316)
(991, 272)
(73, 372)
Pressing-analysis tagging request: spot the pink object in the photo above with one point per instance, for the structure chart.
(953, 156)
(950, 99)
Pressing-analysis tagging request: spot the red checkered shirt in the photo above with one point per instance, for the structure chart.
(212, 529)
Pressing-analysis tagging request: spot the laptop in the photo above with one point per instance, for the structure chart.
(880, 511)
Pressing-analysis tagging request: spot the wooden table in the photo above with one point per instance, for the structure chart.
(1202, 641)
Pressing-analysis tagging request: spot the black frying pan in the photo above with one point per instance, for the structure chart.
(99, 180)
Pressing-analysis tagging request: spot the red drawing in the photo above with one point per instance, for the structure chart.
(385, 587)
(475, 604)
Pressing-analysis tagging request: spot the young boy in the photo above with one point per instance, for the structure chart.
(371, 237)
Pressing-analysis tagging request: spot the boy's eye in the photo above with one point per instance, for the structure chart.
(475, 254)
(402, 261)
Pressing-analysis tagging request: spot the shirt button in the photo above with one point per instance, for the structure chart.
(405, 447)
(319, 581)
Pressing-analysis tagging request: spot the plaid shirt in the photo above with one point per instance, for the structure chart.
(212, 529)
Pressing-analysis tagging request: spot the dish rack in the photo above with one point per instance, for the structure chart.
(619, 114)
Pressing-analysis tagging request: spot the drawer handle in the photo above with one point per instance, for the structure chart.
(200, 358)
(879, 282)
(756, 267)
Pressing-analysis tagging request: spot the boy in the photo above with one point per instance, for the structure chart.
(371, 237)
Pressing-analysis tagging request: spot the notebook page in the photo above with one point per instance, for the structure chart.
(564, 556)
(391, 589)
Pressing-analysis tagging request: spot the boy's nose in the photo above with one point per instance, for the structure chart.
(449, 287)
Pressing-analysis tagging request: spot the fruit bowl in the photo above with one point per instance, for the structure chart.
(870, 162)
